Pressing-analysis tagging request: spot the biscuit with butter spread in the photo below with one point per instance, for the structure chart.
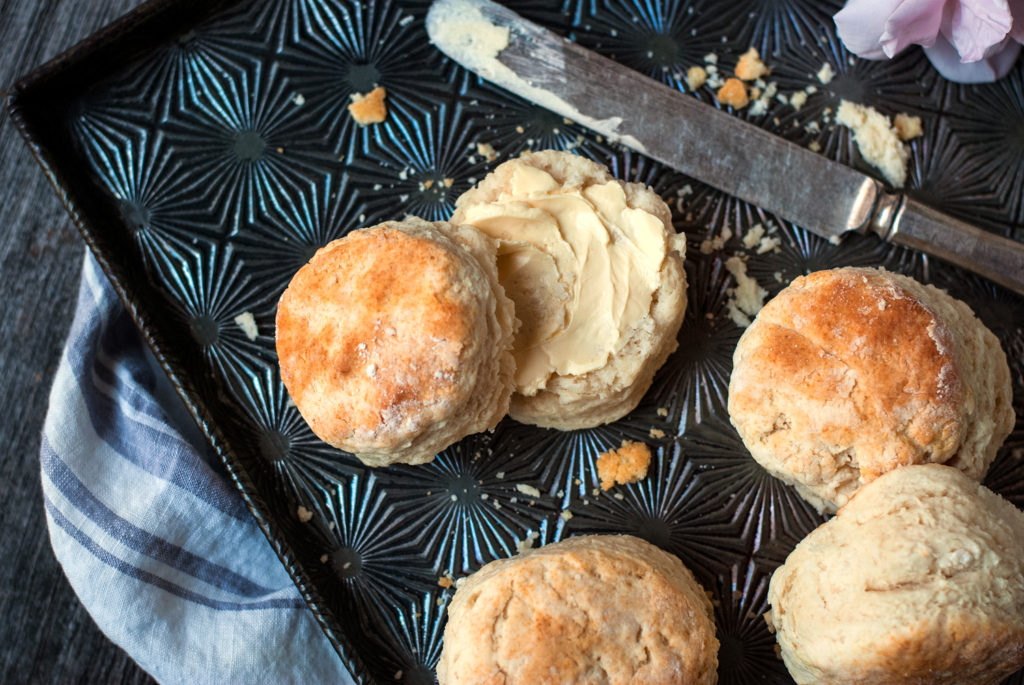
(850, 373)
(596, 273)
(395, 341)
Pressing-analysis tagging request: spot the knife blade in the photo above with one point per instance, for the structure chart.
(808, 189)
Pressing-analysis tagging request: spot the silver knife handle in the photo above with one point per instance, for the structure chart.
(914, 225)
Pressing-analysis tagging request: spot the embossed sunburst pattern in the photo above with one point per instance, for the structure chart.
(229, 158)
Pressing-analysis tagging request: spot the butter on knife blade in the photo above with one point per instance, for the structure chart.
(712, 146)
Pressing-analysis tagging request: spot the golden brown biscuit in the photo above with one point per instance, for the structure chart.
(919, 579)
(598, 609)
(850, 373)
(395, 341)
(596, 272)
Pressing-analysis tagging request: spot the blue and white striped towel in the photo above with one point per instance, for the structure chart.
(153, 537)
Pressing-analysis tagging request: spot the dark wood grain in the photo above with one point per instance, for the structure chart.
(46, 636)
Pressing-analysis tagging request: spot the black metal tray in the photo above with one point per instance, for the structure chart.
(204, 150)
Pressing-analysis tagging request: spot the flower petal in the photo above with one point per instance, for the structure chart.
(876, 29)
(977, 25)
(946, 60)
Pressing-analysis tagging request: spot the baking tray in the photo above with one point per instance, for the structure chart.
(204, 150)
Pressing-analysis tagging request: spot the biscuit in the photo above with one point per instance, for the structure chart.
(849, 373)
(605, 610)
(596, 272)
(919, 579)
(395, 341)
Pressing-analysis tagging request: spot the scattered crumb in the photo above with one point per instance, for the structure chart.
(486, 150)
(711, 58)
(907, 127)
(247, 322)
(662, 411)
(814, 146)
(750, 66)
(619, 496)
(323, 558)
(761, 103)
(448, 182)
(566, 514)
(527, 542)
(696, 77)
(398, 674)
(628, 464)
(747, 298)
(798, 99)
(405, 21)
(826, 74)
(369, 108)
(768, 244)
(304, 514)
(657, 433)
(528, 490)
(733, 93)
(520, 129)
(299, 99)
(879, 143)
(716, 243)
(446, 581)
(753, 236)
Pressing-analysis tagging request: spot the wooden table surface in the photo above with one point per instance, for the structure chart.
(46, 636)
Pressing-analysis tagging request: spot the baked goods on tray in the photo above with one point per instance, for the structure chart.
(596, 271)
(849, 373)
(395, 341)
(918, 579)
(600, 609)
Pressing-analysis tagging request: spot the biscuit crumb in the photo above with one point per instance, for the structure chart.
(299, 99)
(446, 581)
(662, 411)
(750, 66)
(628, 464)
(323, 558)
(747, 298)
(247, 322)
(907, 127)
(304, 514)
(486, 150)
(566, 515)
(711, 58)
(696, 77)
(528, 490)
(733, 93)
(657, 433)
(398, 674)
(798, 100)
(369, 108)
(527, 542)
(814, 146)
(878, 141)
(826, 73)
(753, 236)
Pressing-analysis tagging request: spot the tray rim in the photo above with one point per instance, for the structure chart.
(19, 97)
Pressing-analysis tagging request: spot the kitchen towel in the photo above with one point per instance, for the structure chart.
(150, 532)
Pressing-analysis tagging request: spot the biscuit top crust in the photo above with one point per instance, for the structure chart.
(591, 609)
(371, 331)
(577, 254)
(863, 362)
(918, 579)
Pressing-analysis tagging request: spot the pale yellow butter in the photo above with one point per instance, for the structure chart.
(581, 265)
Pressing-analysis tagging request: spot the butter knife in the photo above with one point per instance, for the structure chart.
(813, 192)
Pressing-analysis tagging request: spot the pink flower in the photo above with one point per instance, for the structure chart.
(970, 41)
